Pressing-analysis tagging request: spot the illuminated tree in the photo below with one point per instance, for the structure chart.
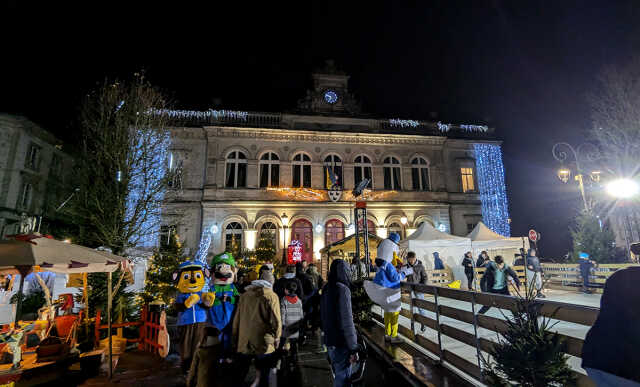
(159, 284)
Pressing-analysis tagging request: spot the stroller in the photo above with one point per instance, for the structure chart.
(357, 374)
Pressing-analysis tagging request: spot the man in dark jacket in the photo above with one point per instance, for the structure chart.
(419, 276)
(534, 272)
(289, 275)
(337, 322)
(613, 341)
(467, 263)
(495, 279)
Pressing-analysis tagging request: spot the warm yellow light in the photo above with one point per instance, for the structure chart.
(595, 176)
(67, 241)
(403, 220)
(564, 174)
(285, 219)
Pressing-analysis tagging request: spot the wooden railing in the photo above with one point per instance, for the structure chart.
(444, 317)
(149, 329)
(567, 276)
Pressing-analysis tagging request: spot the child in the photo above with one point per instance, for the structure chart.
(206, 361)
(292, 316)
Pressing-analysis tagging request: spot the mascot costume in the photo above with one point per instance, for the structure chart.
(221, 313)
(385, 288)
(192, 305)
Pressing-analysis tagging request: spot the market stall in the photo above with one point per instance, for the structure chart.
(35, 253)
(484, 239)
(345, 249)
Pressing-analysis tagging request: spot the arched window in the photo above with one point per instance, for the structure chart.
(395, 227)
(391, 173)
(332, 163)
(269, 229)
(420, 174)
(302, 170)
(302, 231)
(236, 176)
(334, 231)
(362, 170)
(233, 236)
(269, 170)
(371, 227)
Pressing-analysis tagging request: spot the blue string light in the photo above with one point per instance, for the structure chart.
(194, 114)
(493, 194)
(403, 123)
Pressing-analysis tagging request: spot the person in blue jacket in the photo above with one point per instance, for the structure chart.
(437, 262)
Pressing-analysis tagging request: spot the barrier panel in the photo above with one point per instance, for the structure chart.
(568, 276)
(443, 313)
(149, 329)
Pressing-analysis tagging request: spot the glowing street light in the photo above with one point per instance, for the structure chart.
(564, 174)
(403, 220)
(622, 188)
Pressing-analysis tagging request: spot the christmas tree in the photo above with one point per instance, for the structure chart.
(159, 284)
(266, 250)
(593, 236)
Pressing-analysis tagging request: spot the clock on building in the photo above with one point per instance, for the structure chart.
(330, 96)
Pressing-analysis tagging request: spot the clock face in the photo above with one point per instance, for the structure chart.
(330, 96)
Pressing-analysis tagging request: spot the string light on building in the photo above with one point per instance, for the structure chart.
(207, 114)
(404, 123)
(475, 128)
(443, 127)
(307, 194)
(493, 195)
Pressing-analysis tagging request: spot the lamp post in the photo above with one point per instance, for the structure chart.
(584, 152)
(403, 220)
(285, 223)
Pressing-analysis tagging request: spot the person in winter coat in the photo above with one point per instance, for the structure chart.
(257, 327)
(613, 341)
(337, 322)
(419, 276)
(315, 300)
(289, 276)
(437, 262)
(385, 288)
(291, 315)
(307, 283)
(205, 366)
(586, 265)
(534, 272)
(467, 263)
(316, 278)
(495, 279)
(483, 260)
(359, 269)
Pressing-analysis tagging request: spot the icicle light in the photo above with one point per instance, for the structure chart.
(490, 169)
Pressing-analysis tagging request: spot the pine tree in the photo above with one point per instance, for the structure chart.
(266, 250)
(594, 237)
(159, 284)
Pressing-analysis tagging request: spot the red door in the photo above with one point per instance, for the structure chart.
(303, 232)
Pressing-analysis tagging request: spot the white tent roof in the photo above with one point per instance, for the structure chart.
(56, 256)
(426, 234)
(483, 236)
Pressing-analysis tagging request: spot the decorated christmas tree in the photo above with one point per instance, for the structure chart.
(595, 237)
(159, 284)
(266, 250)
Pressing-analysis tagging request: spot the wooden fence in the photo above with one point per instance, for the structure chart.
(471, 364)
(568, 277)
(149, 329)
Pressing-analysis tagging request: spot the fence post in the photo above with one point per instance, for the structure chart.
(143, 327)
(411, 293)
(475, 330)
(96, 327)
(435, 293)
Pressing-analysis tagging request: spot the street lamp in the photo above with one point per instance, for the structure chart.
(622, 188)
(285, 222)
(561, 152)
(403, 220)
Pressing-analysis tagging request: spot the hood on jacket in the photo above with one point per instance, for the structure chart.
(339, 272)
(436, 255)
(418, 263)
(289, 275)
(259, 284)
(313, 270)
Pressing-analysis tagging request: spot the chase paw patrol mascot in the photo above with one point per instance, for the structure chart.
(192, 305)
(221, 313)
(385, 288)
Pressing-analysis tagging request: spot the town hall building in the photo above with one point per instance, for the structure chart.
(291, 175)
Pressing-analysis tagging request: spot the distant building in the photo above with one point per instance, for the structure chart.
(33, 172)
(241, 171)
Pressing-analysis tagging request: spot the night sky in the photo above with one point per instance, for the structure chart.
(522, 67)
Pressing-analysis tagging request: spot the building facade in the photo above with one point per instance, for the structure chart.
(33, 171)
(291, 174)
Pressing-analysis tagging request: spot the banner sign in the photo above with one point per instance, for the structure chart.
(294, 253)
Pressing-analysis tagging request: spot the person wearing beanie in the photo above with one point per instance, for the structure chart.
(257, 326)
(385, 288)
(437, 262)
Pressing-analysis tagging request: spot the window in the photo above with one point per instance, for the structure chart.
(467, 179)
(420, 174)
(269, 170)
(269, 229)
(236, 170)
(302, 170)
(24, 199)
(392, 173)
(165, 235)
(33, 157)
(362, 170)
(56, 166)
(334, 231)
(332, 163)
(233, 237)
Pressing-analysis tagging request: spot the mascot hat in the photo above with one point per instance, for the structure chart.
(395, 237)
(223, 258)
(191, 264)
(583, 255)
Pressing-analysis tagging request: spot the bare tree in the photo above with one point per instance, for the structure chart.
(123, 171)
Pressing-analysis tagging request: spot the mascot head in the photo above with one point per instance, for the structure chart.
(223, 269)
(386, 250)
(191, 276)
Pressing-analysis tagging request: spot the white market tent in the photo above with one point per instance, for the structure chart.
(427, 239)
(483, 238)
